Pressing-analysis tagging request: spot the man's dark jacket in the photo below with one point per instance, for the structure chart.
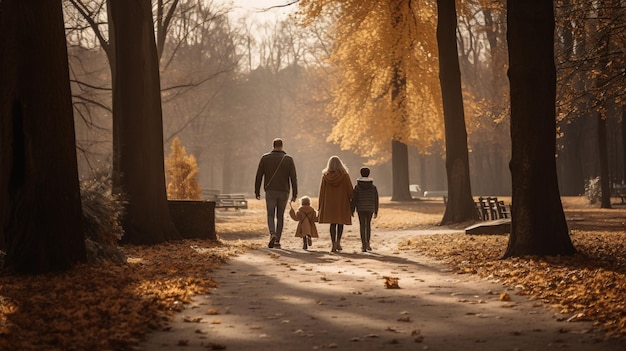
(283, 173)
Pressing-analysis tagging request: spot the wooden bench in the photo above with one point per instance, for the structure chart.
(490, 208)
(235, 201)
(209, 194)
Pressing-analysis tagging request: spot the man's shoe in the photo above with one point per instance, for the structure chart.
(308, 240)
(272, 243)
(276, 245)
(369, 248)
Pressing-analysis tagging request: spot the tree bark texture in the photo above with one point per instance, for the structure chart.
(538, 225)
(460, 206)
(40, 208)
(137, 125)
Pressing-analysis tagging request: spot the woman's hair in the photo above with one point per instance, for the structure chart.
(335, 164)
(305, 201)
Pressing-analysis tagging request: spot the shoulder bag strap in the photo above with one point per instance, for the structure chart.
(275, 171)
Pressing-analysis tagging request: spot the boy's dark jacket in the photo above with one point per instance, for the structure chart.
(365, 196)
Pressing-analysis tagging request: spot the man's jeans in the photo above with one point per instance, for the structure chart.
(276, 201)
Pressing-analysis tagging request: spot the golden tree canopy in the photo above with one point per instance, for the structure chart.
(374, 43)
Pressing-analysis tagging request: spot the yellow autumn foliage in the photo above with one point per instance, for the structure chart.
(181, 174)
(386, 85)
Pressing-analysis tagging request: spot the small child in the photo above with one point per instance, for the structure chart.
(365, 202)
(306, 217)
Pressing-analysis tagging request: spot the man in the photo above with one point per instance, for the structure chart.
(279, 171)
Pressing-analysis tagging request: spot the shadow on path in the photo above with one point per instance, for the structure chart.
(292, 299)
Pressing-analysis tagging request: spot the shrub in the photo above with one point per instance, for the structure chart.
(181, 174)
(102, 214)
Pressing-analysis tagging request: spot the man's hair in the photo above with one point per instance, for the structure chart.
(278, 142)
(365, 172)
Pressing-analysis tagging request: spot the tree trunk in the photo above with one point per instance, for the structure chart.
(138, 126)
(605, 200)
(399, 150)
(400, 172)
(538, 225)
(460, 206)
(40, 208)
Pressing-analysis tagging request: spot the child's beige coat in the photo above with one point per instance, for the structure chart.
(306, 217)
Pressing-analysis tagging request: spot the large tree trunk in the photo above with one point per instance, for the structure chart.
(460, 206)
(538, 224)
(138, 126)
(40, 209)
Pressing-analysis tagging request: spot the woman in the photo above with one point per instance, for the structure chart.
(334, 199)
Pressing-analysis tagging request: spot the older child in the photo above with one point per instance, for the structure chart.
(306, 217)
(365, 202)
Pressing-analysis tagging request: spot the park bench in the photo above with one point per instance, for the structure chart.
(490, 208)
(210, 194)
(225, 201)
(235, 201)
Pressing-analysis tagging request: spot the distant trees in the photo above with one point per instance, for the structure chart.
(40, 206)
(590, 42)
(481, 42)
(217, 75)
(538, 225)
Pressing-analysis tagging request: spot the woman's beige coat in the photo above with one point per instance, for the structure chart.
(306, 217)
(334, 199)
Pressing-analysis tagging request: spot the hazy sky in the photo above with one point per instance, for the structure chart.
(254, 9)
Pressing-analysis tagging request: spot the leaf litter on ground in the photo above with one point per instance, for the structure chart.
(111, 306)
(588, 286)
(107, 306)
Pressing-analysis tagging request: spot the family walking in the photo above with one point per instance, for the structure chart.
(338, 199)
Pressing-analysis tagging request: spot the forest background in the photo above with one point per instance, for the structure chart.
(230, 85)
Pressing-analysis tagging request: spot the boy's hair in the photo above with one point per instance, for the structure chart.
(365, 172)
(305, 200)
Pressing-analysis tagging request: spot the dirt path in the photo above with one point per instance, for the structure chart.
(292, 299)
